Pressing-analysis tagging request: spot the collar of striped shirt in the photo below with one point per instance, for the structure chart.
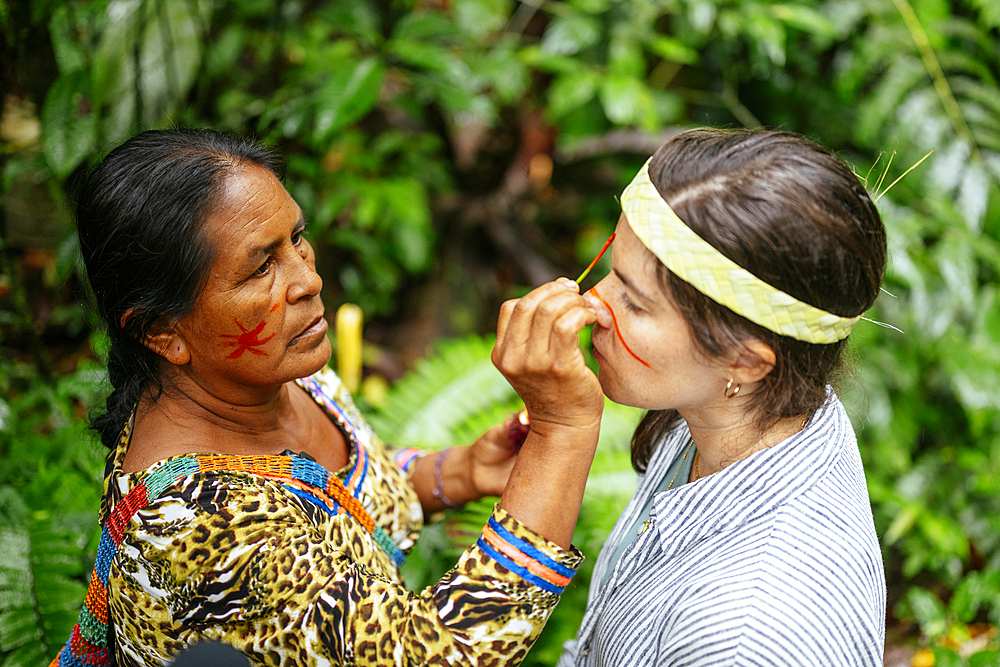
(755, 485)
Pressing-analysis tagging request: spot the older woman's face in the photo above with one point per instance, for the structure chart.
(259, 320)
(672, 373)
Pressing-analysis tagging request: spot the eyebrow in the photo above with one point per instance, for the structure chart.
(259, 252)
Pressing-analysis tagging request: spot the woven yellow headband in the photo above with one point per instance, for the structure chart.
(716, 276)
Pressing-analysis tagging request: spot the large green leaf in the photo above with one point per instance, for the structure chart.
(146, 62)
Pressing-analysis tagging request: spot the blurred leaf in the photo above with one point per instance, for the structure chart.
(672, 49)
(69, 55)
(425, 25)
(481, 17)
(570, 34)
(926, 609)
(901, 525)
(973, 192)
(985, 658)
(69, 123)
(349, 95)
(626, 100)
(804, 18)
(570, 91)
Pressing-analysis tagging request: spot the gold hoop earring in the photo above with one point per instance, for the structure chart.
(732, 388)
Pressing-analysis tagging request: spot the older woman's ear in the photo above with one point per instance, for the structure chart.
(168, 344)
(752, 362)
(171, 346)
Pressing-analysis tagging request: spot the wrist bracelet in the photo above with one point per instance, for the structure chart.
(438, 491)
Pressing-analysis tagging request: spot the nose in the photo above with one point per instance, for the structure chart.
(604, 318)
(305, 281)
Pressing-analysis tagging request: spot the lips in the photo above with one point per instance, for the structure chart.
(316, 328)
(598, 357)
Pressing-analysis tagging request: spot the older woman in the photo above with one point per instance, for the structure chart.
(245, 499)
(741, 262)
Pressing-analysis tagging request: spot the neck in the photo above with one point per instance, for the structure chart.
(239, 409)
(728, 434)
(189, 419)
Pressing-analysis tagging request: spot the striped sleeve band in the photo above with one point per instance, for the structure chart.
(524, 559)
(404, 458)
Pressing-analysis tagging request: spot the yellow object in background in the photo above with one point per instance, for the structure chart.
(349, 323)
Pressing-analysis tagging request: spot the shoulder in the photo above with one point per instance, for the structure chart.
(818, 589)
(801, 584)
(329, 391)
(782, 597)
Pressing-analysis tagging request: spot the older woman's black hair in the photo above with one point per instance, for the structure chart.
(140, 214)
(794, 215)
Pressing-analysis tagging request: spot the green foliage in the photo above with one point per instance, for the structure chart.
(957, 639)
(447, 153)
(932, 441)
(50, 486)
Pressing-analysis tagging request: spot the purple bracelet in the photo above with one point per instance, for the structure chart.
(438, 491)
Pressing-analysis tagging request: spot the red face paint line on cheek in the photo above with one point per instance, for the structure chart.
(593, 290)
(248, 341)
(274, 307)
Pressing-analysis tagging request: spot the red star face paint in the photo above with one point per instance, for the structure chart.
(248, 341)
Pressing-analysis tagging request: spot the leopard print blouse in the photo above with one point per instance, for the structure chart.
(276, 570)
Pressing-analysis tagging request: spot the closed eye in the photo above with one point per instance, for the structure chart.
(629, 304)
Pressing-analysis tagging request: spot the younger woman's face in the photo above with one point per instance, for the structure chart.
(675, 375)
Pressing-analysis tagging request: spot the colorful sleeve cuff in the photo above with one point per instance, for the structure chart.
(404, 458)
(530, 556)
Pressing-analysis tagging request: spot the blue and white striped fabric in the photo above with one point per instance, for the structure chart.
(772, 561)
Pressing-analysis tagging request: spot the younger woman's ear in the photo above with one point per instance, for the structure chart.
(753, 362)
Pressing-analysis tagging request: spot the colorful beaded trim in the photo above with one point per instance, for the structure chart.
(306, 479)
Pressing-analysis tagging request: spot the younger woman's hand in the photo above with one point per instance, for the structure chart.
(537, 350)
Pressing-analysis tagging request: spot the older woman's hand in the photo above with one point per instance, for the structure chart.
(491, 458)
(537, 350)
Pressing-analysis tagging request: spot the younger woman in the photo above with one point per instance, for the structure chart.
(741, 262)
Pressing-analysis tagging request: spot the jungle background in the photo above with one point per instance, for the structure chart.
(450, 154)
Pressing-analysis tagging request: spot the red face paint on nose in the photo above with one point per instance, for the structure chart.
(593, 290)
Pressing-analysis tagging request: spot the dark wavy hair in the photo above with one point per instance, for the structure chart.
(798, 218)
(140, 213)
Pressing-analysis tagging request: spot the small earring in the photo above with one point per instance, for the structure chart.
(732, 388)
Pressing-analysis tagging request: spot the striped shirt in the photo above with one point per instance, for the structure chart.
(772, 561)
